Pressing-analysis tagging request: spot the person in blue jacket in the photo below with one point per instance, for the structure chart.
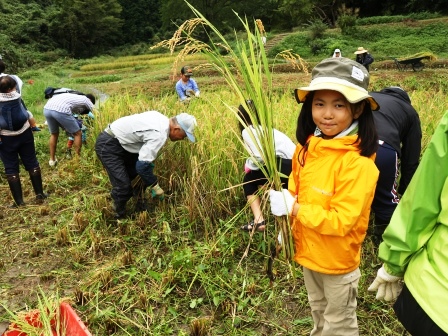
(415, 245)
(186, 87)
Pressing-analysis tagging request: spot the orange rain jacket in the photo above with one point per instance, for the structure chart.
(334, 189)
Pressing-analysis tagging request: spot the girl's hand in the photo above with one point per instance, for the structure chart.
(282, 202)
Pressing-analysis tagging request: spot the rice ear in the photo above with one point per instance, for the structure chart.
(246, 69)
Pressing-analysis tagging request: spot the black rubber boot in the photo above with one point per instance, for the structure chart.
(142, 205)
(120, 209)
(36, 181)
(16, 189)
(378, 231)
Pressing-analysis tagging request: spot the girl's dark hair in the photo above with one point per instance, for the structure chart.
(244, 115)
(7, 83)
(305, 123)
(367, 135)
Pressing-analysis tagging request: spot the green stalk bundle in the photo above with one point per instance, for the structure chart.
(246, 70)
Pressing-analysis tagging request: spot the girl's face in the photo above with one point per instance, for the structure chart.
(332, 113)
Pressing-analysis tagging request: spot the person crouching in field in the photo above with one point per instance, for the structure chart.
(331, 189)
(129, 146)
(17, 140)
(254, 177)
(186, 87)
(59, 111)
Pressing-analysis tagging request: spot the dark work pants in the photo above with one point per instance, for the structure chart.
(119, 164)
(256, 178)
(386, 196)
(13, 146)
(414, 318)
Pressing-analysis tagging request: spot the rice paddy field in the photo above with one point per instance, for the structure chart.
(184, 268)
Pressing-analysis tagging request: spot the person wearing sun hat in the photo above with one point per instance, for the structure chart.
(330, 190)
(186, 87)
(337, 53)
(363, 57)
(128, 147)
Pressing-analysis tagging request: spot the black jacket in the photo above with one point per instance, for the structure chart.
(398, 124)
(365, 59)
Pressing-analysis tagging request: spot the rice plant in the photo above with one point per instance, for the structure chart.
(247, 72)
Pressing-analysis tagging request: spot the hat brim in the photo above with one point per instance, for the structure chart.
(352, 94)
(190, 137)
(360, 52)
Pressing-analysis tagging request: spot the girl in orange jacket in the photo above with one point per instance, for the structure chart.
(331, 188)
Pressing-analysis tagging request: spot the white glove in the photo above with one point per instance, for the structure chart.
(282, 202)
(387, 285)
(279, 239)
(197, 94)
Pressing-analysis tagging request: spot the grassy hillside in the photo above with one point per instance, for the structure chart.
(185, 268)
(384, 41)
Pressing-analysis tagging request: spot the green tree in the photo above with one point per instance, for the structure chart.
(219, 12)
(142, 19)
(86, 28)
(295, 12)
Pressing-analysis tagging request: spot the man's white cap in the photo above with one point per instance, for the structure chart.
(187, 122)
(337, 50)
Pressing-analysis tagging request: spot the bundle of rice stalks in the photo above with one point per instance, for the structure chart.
(422, 55)
(246, 70)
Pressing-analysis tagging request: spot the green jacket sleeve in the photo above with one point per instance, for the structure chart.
(417, 215)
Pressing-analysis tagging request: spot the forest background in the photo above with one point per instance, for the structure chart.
(32, 32)
(185, 268)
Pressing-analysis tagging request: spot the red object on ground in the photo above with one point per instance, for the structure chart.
(30, 81)
(69, 320)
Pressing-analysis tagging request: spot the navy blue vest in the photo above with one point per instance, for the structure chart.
(12, 115)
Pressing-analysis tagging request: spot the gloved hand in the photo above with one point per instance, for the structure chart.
(197, 94)
(246, 169)
(387, 285)
(158, 192)
(280, 239)
(282, 202)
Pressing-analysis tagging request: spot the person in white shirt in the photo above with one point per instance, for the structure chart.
(254, 177)
(128, 147)
(59, 111)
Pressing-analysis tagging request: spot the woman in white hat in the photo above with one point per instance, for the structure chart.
(337, 53)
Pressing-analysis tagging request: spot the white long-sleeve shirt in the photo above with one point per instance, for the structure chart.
(143, 133)
(284, 147)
